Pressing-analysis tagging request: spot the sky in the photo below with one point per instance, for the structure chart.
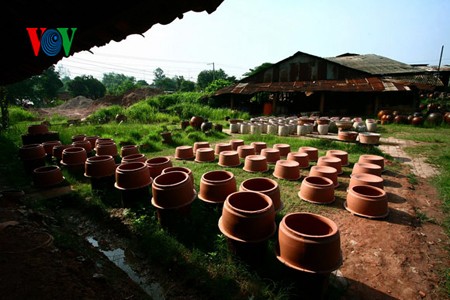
(243, 34)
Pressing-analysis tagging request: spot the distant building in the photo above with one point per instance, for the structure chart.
(348, 84)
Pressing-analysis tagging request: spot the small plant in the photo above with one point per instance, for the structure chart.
(423, 218)
(412, 179)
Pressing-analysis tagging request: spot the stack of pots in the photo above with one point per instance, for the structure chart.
(32, 156)
(133, 180)
(248, 221)
(73, 159)
(47, 176)
(266, 186)
(38, 134)
(101, 171)
(48, 147)
(157, 164)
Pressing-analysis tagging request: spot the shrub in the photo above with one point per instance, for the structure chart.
(105, 115)
(18, 114)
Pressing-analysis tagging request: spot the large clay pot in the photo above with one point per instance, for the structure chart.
(371, 125)
(219, 147)
(215, 186)
(366, 168)
(106, 148)
(48, 147)
(32, 152)
(313, 153)
(343, 155)
(37, 129)
(347, 136)
(78, 137)
(198, 145)
(272, 155)
(84, 144)
(206, 126)
(435, 118)
(58, 150)
(91, 139)
(74, 158)
(258, 146)
(103, 140)
(322, 129)
(447, 117)
(366, 179)
(387, 119)
(302, 130)
(131, 176)
(372, 159)
(196, 122)
(266, 186)
(157, 164)
(367, 201)
(184, 124)
(283, 148)
(172, 190)
(255, 163)
(139, 157)
(99, 166)
(344, 125)
(316, 189)
(310, 243)
(325, 171)
(417, 121)
(184, 153)
(287, 169)
(205, 155)
(331, 161)
(229, 159)
(182, 169)
(129, 149)
(236, 143)
(47, 176)
(301, 157)
(245, 150)
(244, 128)
(369, 138)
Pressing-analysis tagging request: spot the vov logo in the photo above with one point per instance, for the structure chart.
(51, 40)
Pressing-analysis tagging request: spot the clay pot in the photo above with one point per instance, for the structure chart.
(301, 157)
(196, 122)
(283, 148)
(172, 190)
(236, 143)
(266, 186)
(166, 137)
(401, 119)
(205, 155)
(372, 159)
(78, 137)
(366, 179)
(287, 169)
(302, 130)
(218, 127)
(47, 176)
(367, 201)
(32, 152)
(369, 138)
(258, 146)
(181, 169)
(184, 152)
(331, 161)
(219, 147)
(84, 144)
(229, 159)
(48, 147)
(316, 189)
(74, 156)
(347, 136)
(58, 150)
(37, 129)
(343, 155)
(245, 150)
(366, 168)
(283, 130)
(323, 121)
(417, 121)
(435, 118)
(322, 129)
(184, 124)
(157, 164)
(255, 163)
(309, 243)
(91, 139)
(313, 153)
(371, 125)
(106, 148)
(447, 117)
(344, 125)
(272, 155)
(99, 166)
(206, 126)
(139, 157)
(244, 128)
(198, 145)
(129, 149)
(248, 216)
(103, 140)
(234, 127)
(325, 171)
(131, 176)
(215, 186)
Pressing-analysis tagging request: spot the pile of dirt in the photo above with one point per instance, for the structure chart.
(138, 95)
(77, 102)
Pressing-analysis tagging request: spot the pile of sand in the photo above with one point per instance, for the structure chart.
(77, 102)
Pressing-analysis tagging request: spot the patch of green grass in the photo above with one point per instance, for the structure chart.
(412, 179)
(18, 114)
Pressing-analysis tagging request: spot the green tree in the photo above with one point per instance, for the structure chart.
(217, 85)
(257, 69)
(206, 77)
(118, 84)
(87, 86)
(161, 81)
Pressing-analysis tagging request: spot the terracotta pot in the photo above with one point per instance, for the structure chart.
(347, 136)
(166, 137)
(132, 176)
(236, 143)
(196, 122)
(266, 186)
(172, 190)
(58, 150)
(258, 146)
(383, 112)
(206, 126)
(184, 124)
(367, 201)
(272, 155)
(435, 118)
(245, 150)
(219, 147)
(447, 117)
(78, 137)
(184, 152)
(139, 157)
(331, 161)
(129, 149)
(205, 155)
(37, 129)
(48, 147)
(343, 155)
(287, 169)
(343, 125)
(74, 156)
(366, 179)
(157, 164)
(256, 163)
(32, 152)
(106, 148)
(248, 217)
(366, 168)
(325, 171)
(103, 140)
(215, 186)
(313, 153)
(417, 120)
(372, 159)
(218, 127)
(198, 145)
(47, 176)
(369, 138)
(180, 169)
(323, 121)
(283, 148)
(99, 166)
(229, 159)
(309, 243)
(84, 144)
(317, 189)
(301, 157)
(91, 139)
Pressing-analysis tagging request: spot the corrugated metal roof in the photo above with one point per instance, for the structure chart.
(375, 64)
(372, 84)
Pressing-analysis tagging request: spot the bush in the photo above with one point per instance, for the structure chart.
(105, 115)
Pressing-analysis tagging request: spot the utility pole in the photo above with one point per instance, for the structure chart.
(214, 71)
